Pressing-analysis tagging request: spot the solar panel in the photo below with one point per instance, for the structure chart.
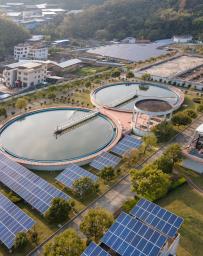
(33, 189)
(105, 160)
(73, 173)
(94, 250)
(12, 221)
(128, 236)
(128, 143)
(152, 214)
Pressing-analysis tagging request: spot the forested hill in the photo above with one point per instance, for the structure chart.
(68, 4)
(152, 19)
(10, 35)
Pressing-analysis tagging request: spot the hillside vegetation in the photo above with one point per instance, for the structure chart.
(150, 19)
(10, 35)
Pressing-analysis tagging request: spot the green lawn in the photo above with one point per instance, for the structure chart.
(189, 204)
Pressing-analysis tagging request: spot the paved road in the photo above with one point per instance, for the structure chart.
(114, 198)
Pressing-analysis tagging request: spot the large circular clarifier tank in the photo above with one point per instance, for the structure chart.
(122, 96)
(31, 138)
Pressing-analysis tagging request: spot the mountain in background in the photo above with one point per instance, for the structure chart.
(149, 19)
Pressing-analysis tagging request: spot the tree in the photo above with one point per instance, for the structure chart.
(181, 118)
(88, 84)
(149, 141)
(34, 236)
(51, 96)
(174, 153)
(67, 244)
(164, 163)
(131, 158)
(20, 240)
(164, 132)
(85, 186)
(21, 103)
(108, 173)
(191, 113)
(116, 73)
(130, 74)
(3, 111)
(150, 183)
(146, 77)
(58, 211)
(200, 108)
(95, 223)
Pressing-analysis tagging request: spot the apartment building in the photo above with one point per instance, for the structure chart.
(25, 74)
(32, 52)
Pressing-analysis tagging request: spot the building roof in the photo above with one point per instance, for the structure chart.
(24, 64)
(61, 41)
(69, 63)
(182, 37)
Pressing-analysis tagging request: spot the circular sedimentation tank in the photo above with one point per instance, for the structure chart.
(35, 140)
(123, 96)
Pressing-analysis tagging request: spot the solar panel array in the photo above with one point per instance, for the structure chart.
(129, 236)
(128, 143)
(33, 189)
(94, 250)
(73, 173)
(12, 221)
(105, 160)
(152, 214)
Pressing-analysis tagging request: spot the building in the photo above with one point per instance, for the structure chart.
(25, 74)
(182, 39)
(32, 52)
(129, 40)
(148, 230)
(61, 43)
(193, 152)
(69, 65)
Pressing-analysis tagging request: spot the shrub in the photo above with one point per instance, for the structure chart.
(200, 108)
(177, 183)
(191, 113)
(129, 204)
(181, 118)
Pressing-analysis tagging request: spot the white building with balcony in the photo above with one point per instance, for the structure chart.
(32, 52)
(25, 74)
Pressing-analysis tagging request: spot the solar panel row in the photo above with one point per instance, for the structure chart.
(94, 250)
(129, 236)
(105, 160)
(12, 221)
(166, 222)
(73, 173)
(33, 189)
(126, 144)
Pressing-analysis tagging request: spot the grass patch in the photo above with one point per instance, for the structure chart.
(195, 177)
(187, 203)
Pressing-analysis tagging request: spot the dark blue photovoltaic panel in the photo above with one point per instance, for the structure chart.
(33, 189)
(129, 236)
(105, 160)
(73, 173)
(152, 214)
(94, 250)
(128, 143)
(12, 221)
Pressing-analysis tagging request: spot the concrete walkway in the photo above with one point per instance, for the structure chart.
(119, 193)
